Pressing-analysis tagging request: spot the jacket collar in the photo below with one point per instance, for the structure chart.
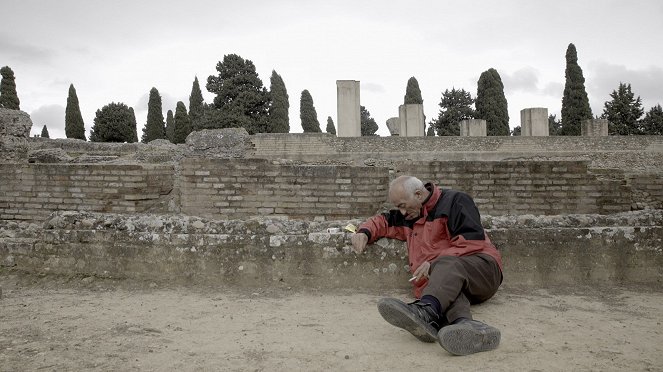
(434, 195)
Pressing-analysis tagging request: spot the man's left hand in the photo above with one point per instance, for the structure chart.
(421, 271)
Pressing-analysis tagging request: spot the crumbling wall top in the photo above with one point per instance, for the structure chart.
(15, 123)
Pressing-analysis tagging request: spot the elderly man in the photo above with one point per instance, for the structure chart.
(452, 261)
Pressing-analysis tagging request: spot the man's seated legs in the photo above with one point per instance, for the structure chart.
(454, 283)
(457, 282)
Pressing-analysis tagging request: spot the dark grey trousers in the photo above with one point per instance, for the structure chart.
(458, 282)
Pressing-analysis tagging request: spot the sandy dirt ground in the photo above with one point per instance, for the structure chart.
(49, 324)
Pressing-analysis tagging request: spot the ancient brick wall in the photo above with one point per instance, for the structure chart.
(249, 187)
(34, 191)
(242, 188)
(527, 187)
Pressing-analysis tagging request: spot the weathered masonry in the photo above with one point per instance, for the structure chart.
(245, 210)
(241, 188)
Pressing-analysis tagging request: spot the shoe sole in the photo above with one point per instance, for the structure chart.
(469, 338)
(396, 313)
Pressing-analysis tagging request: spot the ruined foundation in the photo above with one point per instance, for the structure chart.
(252, 210)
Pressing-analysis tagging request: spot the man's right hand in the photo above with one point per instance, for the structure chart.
(359, 241)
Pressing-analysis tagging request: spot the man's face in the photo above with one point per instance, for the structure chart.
(409, 205)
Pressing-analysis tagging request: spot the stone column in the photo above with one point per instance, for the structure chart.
(412, 120)
(347, 108)
(594, 127)
(534, 121)
(402, 119)
(473, 128)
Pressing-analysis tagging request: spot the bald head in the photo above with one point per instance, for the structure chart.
(407, 193)
(405, 186)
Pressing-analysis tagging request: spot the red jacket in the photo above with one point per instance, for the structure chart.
(449, 225)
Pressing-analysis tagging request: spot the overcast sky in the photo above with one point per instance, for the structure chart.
(116, 51)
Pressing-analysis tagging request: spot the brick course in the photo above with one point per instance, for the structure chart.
(529, 187)
(241, 188)
(34, 191)
(262, 188)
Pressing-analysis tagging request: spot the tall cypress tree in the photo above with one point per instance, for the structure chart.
(44, 132)
(368, 124)
(652, 124)
(182, 124)
(331, 129)
(155, 127)
(491, 103)
(196, 105)
(8, 97)
(307, 113)
(412, 92)
(170, 125)
(623, 111)
(575, 104)
(278, 112)
(73, 120)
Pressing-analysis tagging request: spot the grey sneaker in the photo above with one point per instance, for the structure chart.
(417, 317)
(468, 337)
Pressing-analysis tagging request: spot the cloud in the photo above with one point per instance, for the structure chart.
(142, 102)
(168, 102)
(52, 116)
(373, 87)
(603, 78)
(553, 89)
(59, 84)
(524, 79)
(24, 52)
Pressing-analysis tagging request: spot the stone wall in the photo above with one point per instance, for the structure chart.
(34, 191)
(647, 190)
(541, 251)
(242, 188)
(633, 153)
(527, 187)
(300, 142)
(14, 123)
(167, 212)
(629, 153)
(250, 187)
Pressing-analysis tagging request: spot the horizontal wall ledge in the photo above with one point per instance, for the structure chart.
(624, 248)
